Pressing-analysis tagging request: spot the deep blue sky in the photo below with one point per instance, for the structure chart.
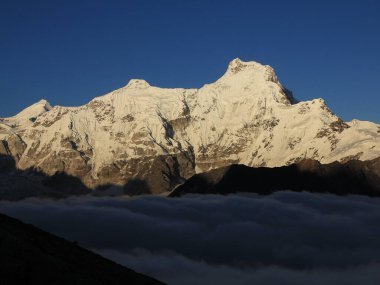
(71, 51)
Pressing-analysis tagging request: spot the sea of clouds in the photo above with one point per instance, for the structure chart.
(283, 238)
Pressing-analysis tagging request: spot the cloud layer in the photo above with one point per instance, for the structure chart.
(245, 238)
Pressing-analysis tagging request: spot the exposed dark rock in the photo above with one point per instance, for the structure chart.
(128, 118)
(289, 94)
(339, 126)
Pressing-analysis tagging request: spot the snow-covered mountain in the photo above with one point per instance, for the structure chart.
(150, 139)
(23, 119)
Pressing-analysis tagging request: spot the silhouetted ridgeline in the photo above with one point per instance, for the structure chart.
(353, 177)
(31, 256)
(16, 184)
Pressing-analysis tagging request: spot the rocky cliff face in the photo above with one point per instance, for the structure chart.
(152, 139)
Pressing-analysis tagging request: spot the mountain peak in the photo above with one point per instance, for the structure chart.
(43, 101)
(138, 84)
(27, 116)
(250, 69)
(35, 110)
(237, 65)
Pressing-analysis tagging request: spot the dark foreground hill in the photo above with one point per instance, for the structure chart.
(353, 177)
(29, 255)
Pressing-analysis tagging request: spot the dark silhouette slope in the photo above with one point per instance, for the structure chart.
(353, 177)
(16, 184)
(31, 256)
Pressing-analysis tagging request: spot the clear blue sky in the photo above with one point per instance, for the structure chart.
(71, 51)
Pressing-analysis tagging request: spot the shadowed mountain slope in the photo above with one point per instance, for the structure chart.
(353, 177)
(29, 255)
(17, 184)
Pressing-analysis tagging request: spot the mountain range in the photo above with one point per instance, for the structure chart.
(145, 139)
